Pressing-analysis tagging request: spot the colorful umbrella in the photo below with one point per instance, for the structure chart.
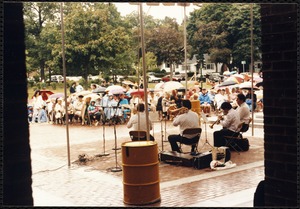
(139, 92)
(45, 94)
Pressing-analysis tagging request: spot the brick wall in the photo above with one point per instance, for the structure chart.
(279, 49)
(16, 151)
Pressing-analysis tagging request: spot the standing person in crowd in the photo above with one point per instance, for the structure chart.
(165, 105)
(73, 88)
(205, 101)
(243, 108)
(189, 119)
(138, 121)
(123, 103)
(159, 105)
(78, 87)
(249, 100)
(230, 123)
(78, 105)
(38, 103)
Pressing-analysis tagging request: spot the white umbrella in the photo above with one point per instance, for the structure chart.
(83, 93)
(159, 86)
(248, 86)
(115, 89)
(171, 85)
(92, 96)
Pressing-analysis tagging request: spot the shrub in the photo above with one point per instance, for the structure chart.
(53, 85)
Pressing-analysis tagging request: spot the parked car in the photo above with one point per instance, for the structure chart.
(56, 78)
(167, 78)
(153, 79)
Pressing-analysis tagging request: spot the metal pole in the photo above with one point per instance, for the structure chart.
(65, 80)
(251, 65)
(184, 35)
(144, 70)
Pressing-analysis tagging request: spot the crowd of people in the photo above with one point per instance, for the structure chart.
(236, 105)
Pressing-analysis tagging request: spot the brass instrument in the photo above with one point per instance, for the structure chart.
(178, 111)
(216, 122)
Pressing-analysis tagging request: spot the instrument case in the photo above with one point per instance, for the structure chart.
(173, 157)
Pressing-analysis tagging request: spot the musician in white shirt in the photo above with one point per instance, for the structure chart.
(230, 122)
(243, 108)
(138, 122)
(189, 119)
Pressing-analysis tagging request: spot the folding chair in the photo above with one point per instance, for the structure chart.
(138, 135)
(231, 140)
(193, 145)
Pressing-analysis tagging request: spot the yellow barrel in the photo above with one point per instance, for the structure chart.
(140, 172)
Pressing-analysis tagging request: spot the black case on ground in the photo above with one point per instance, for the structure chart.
(242, 145)
(176, 158)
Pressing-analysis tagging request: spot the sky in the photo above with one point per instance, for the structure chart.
(158, 12)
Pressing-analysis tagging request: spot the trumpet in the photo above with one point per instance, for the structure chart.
(216, 122)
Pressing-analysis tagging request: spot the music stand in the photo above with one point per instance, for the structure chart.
(205, 121)
(104, 153)
(116, 168)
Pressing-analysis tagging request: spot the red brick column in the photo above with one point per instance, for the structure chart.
(279, 56)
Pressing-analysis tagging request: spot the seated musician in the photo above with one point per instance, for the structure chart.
(243, 110)
(230, 123)
(188, 119)
(138, 121)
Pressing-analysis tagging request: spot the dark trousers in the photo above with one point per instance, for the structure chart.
(142, 138)
(173, 139)
(219, 139)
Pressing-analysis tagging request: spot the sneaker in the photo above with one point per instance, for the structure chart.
(96, 124)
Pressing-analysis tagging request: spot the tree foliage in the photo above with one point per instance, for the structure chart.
(223, 31)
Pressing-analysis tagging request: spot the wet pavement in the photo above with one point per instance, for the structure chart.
(93, 183)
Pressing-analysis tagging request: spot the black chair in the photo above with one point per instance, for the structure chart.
(193, 145)
(231, 141)
(138, 135)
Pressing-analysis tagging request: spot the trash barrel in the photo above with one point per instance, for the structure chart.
(140, 172)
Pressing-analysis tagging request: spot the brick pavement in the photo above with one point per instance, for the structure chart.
(93, 184)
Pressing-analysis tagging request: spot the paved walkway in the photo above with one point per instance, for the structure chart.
(93, 183)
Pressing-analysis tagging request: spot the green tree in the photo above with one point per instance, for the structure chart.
(223, 31)
(36, 16)
(96, 41)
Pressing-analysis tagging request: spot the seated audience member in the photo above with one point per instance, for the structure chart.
(205, 101)
(230, 123)
(189, 119)
(94, 113)
(78, 105)
(138, 121)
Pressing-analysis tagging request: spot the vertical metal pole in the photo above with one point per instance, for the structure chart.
(184, 35)
(251, 64)
(144, 70)
(65, 81)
